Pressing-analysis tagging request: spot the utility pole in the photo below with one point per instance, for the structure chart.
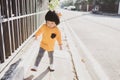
(119, 8)
(87, 5)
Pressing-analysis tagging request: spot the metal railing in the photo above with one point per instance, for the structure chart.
(19, 19)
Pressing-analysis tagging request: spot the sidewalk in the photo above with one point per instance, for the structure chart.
(62, 61)
(63, 68)
(68, 63)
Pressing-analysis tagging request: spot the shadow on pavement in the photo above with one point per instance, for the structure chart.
(29, 78)
(42, 75)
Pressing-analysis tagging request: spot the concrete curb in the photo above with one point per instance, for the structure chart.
(81, 71)
(94, 69)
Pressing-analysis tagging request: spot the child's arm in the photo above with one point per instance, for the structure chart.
(59, 40)
(39, 31)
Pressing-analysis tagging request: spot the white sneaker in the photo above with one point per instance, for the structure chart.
(34, 68)
(52, 67)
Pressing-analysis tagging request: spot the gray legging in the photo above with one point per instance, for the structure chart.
(40, 55)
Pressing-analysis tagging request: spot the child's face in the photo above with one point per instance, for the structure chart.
(50, 24)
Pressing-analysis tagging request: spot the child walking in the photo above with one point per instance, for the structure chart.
(50, 33)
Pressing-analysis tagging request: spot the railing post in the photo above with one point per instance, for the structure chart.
(3, 45)
(9, 28)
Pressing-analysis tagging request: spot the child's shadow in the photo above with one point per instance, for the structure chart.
(42, 75)
(29, 78)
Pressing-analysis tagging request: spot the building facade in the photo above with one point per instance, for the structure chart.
(108, 6)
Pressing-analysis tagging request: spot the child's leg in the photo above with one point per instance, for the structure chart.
(50, 54)
(39, 57)
(51, 67)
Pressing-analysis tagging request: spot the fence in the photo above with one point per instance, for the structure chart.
(18, 20)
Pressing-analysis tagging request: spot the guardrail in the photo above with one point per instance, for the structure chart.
(19, 19)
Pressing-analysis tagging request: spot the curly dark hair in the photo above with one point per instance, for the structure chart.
(52, 16)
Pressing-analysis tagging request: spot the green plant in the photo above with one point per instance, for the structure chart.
(53, 4)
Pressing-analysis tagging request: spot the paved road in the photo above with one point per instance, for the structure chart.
(101, 35)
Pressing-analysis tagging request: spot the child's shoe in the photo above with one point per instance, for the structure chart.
(34, 68)
(52, 67)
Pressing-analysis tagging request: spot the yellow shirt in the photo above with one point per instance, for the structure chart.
(47, 42)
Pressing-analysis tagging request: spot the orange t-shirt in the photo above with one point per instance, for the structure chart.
(47, 42)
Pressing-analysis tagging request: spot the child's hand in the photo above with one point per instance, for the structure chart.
(60, 47)
(35, 37)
